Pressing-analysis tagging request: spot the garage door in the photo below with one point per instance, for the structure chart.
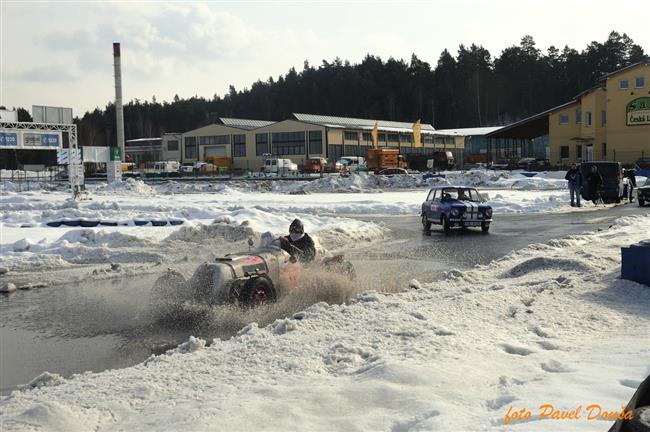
(219, 151)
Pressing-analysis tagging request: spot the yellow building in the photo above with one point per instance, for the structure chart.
(610, 121)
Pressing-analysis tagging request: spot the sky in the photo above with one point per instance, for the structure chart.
(60, 53)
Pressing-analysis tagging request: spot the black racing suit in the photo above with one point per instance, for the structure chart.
(303, 249)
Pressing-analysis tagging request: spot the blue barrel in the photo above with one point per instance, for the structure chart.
(635, 262)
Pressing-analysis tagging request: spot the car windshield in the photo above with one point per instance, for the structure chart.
(647, 182)
(460, 194)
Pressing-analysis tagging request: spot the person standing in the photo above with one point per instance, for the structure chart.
(631, 183)
(595, 183)
(574, 180)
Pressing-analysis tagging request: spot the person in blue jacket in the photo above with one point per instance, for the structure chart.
(574, 180)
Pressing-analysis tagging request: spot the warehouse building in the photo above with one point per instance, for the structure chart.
(303, 136)
(609, 121)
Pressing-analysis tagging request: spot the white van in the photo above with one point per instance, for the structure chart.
(350, 163)
(279, 166)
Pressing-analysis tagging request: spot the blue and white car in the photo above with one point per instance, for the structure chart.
(455, 206)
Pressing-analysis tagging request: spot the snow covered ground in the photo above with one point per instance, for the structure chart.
(547, 324)
(26, 240)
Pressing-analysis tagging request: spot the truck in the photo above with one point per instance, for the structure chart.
(162, 169)
(348, 164)
(442, 160)
(314, 165)
(222, 164)
(279, 166)
(384, 158)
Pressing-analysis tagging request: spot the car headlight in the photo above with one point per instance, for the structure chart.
(488, 212)
(455, 212)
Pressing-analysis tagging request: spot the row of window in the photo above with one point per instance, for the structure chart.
(394, 138)
(290, 143)
(564, 118)
(564, 151)
(639, 82)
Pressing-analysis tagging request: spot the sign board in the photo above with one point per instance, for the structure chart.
(8, 139)
(95, 154)
(115, 154)
(638, 112)
(54, 115)
(63, 156)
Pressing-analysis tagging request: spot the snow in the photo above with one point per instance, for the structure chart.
(551, 323)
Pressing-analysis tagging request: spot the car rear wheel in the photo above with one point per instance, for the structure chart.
(446, 227)
(641, 203)
(426, 225)
(485, 227)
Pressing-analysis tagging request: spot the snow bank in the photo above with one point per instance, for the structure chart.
(452, 355)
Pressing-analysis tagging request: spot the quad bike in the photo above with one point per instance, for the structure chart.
(247, 279)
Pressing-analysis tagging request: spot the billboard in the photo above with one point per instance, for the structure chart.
(8, 139)
(30, 140)
(54, 115)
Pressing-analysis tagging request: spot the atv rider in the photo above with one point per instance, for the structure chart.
(298, 244)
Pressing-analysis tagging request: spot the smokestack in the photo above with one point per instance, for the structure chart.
(119, 112)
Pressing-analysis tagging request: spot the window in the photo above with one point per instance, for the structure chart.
(439, 140)
(239, 145)
(603, 117)
(623, 85)
(639, 82)
(393, 138)
(190, 147)
(288, 143)
(578, 151)
(588, 118)
(564, 152)
(351, 150)
(449, 140)
(564, 118)
(214, 140)
(432, 195)
(261, 144)
(367, 137)
(578, 115)
(315, 142)
(427, 139)
(405, 138)
(381, 137)
(351, 136)
(172, 145)
(604, 150)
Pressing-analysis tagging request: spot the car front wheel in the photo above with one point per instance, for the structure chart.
(446, 227)
(641, 202)
(426, 225)
(485, 227)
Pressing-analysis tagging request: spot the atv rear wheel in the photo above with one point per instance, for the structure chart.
(168, 290)
(256, 292)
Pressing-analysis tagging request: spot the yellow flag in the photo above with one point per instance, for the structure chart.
(416, 134)
(375, 136)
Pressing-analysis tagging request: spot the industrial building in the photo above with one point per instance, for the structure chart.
(303, 136)
(609, 121)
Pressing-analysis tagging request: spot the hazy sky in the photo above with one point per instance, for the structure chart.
(60, 53)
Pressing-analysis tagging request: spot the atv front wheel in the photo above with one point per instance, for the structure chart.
(256, 292)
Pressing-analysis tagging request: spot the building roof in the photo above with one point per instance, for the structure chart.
(357, 123)
(531, 127)
(469, 131)
(646, 61)
(246, 124)
(143, 140)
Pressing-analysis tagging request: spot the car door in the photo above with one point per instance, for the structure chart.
(431, 205)
(426, 205)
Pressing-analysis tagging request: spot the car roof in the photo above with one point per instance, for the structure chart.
(452, 187)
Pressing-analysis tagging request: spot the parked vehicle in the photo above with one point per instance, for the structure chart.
(385, 158)
(186, 169)
(350, 163)
(279, 166)
(204, 168)
(314, 165)
(526, 163)
(502, 164)
(223, 164)
(643, 193)
(442, 160)
(643, 163)
(455, 206)
(390, 172)
(162, 169)
(612, 173)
